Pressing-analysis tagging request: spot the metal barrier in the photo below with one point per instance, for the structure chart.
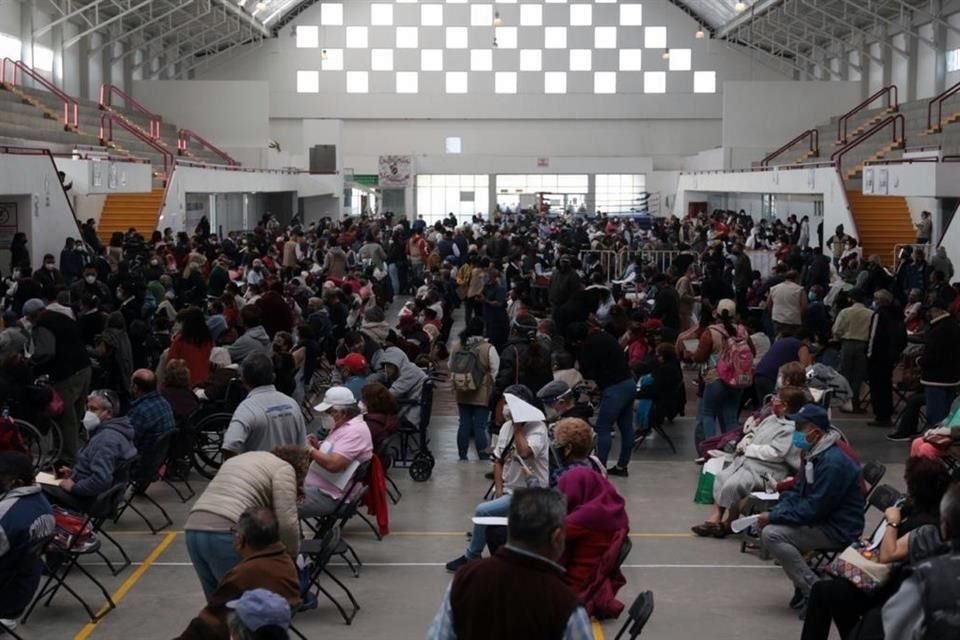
(607, 259)
(897, 248)
(613, 264)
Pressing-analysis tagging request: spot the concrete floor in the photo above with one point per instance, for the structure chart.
(702, 587)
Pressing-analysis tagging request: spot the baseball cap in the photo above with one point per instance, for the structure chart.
(32, 305)
(814, 414)
(336, 397)
(353, 361)
(727, 305)
(553, 391)
(259, 608)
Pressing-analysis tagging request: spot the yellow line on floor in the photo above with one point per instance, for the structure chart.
(597, 631)
(128, 583)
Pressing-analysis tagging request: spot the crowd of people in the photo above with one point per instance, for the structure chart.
(320, 339)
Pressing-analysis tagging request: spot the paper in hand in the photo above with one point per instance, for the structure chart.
(740, 524)
(521, 411)
(47, 478)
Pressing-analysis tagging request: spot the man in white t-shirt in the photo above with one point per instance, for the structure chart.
(787, 303)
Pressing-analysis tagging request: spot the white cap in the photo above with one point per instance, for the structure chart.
(336, 397)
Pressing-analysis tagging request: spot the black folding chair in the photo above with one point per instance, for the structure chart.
(176, 467)
(873, 473)
(345, 509)
(637, 616)
(881, 498)
(27, 557)
(319, 551)
(145, 473)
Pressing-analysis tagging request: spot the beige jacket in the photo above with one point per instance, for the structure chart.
(254, 479)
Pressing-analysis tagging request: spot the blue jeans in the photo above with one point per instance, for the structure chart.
(393, 269)
(212, 555)
(473, 423)
(497, 507)
(939, 400)
(719, 403)
(616, 406)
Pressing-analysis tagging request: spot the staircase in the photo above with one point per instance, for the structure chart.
(882, 222)
(124, 210)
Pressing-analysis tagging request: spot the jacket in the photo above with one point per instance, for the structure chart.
(481, 395)
(603, 360)
(254, 479)
(25, 518)
(407, 387)
(270, 568)
(254, 340)
(888, 336)
(68, 355)
(939, 365)
(827, 494)
(516, 366)
(94, 472)
(375, 498)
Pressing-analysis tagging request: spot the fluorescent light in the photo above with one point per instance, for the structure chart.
(666, 54)
(700, 34)
(740, 7)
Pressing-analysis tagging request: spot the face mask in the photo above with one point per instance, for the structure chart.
(16, 274)
(154, 263)
(90, 420)
(506, 413)
(120, 294)
(800, 441)
(326, 422)
(49, 266)
(363, 406)
(551, 414)
(90, 279)
(26, 324)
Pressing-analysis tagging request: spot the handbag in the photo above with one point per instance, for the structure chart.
(857, 564)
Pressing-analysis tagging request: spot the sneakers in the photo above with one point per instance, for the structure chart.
(799, 601)
(618, 471)
(309, 601)
(901, 437)
(453, 565)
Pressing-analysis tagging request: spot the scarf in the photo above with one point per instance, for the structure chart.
(592, 502)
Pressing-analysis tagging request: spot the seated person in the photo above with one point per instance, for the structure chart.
(764, 456)
(837, 599)
(110, 444)
(596, 528)
(175, 389)
(353, 371)
(284, 364)
(405, 381)
(259, 615)
(347, 441)
(264, 564)
(927, 605)
(937, 442)
(25, 519)
(664, 389)
(560, 401)
(572, 448)
(520, 460)
(380, 413)
(222, 373)
(150, 414)
(824, 509)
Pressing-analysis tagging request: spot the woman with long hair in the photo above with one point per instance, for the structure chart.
(192, 343)
(380, 413)
(473, 395)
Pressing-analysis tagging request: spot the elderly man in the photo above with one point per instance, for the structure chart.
(95, 471)
(254, 338)
(348, 443)
(264, 565)
(519, 592)
(259, 614)
(824, 509)
(266, 419)
(405, 381)
(150, 414)
(852, 328)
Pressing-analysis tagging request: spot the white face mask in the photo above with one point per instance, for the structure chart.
(90, 420)
(363, 406)
(506, 413)
(49, 266)
(90, 279)
(327, 422)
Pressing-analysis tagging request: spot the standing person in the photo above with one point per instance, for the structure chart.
(19, 254)
(742, 277)
(852, 328)
(493, 302)
(193, 344)
(417, 253)
(888, 338)
(837, 243)
(525, 360)
(941, 262)
(603, 361)
(939, 364)
(473, 357)
(804, 240)
(59, 352)
(787, 303)
(924, 228)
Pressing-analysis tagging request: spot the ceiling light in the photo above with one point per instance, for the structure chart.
(240, 3)
(666, 54)
(494, 43)
(261, 6)
(700, 34)
(323, 54)
(497, 20)
(740, 7)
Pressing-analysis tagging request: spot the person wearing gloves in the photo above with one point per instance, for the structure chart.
(824, 509)
(95, 470)
(520, 460)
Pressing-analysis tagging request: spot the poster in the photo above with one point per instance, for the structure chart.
(8, 223)
(882, 181)
(395, 171)
(868, 180)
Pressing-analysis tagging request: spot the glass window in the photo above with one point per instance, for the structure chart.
(453, 144)
(42, 58)
(357, 82)
(581, 15)
(431, 15)
(506, 37)
(9, 47)
(655, 37)
(431, 59)
(631, 59)
(580, 59)
(605, 37)
(331, 14)
(481, 15)
(620, 193)
(505, 82)
(481, 60)
(456, 37)
(953, 60)
(555, 82)
(356, 37)
(332, 60)
(308, 37)
(462, 195)
(381, 14)
(456, 81)
(555, 37)
(679, 59)
(407, 82)
(407, 38)
(308, 82)
(605, 82)
(531, 15)
(381, 59)
(704, 81)
(631, 15)
(531, 60)
(654, 82)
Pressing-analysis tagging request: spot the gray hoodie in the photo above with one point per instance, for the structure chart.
(95, 469)
(252, 341)
(407, 386)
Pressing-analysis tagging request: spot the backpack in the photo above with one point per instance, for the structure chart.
(466, 372)
(735, 364)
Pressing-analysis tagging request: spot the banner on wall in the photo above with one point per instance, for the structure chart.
(395, 171)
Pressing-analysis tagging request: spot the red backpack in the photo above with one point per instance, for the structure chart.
(735, 364)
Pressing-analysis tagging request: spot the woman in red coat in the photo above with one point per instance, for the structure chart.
(193, 344)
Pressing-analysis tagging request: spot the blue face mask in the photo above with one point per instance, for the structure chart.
(800, 441)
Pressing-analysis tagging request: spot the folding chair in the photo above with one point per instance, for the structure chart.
(346, 509)
(881, 498)
(69, 554)
(384, 452)
(873, 473)
(176, 467)
(27, 556)
(145, 473)
(637, 616)
(319, 551)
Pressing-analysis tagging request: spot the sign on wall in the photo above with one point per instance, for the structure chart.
(395, 171)
(8, 223)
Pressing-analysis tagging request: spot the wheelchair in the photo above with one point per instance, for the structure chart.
(411, 448)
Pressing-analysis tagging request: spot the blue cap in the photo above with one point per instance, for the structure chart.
(258, 608)
(814, 414)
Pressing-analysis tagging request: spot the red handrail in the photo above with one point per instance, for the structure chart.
(70, 106)
(184, 136)
(837, 156)
(891, 94)
(107, 118)
(814, 136)
(939, 100)
(106, 102)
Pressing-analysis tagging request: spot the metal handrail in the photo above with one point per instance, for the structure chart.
(939, 100)
(106, 102)
(107, 118)
(183, 141)
(814, 136)
(837, 156)
(70, 106)
(891, 94)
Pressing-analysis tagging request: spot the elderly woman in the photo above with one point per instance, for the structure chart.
(571, 449)
(380, 412)
(764, 455)
(175, 389)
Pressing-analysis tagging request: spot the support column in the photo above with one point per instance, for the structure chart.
(886, 54)
(911, 89)
(82, 85)
(590, 200)
(940, 54)
(491, 195)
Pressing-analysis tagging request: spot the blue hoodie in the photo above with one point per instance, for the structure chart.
(110, 444)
